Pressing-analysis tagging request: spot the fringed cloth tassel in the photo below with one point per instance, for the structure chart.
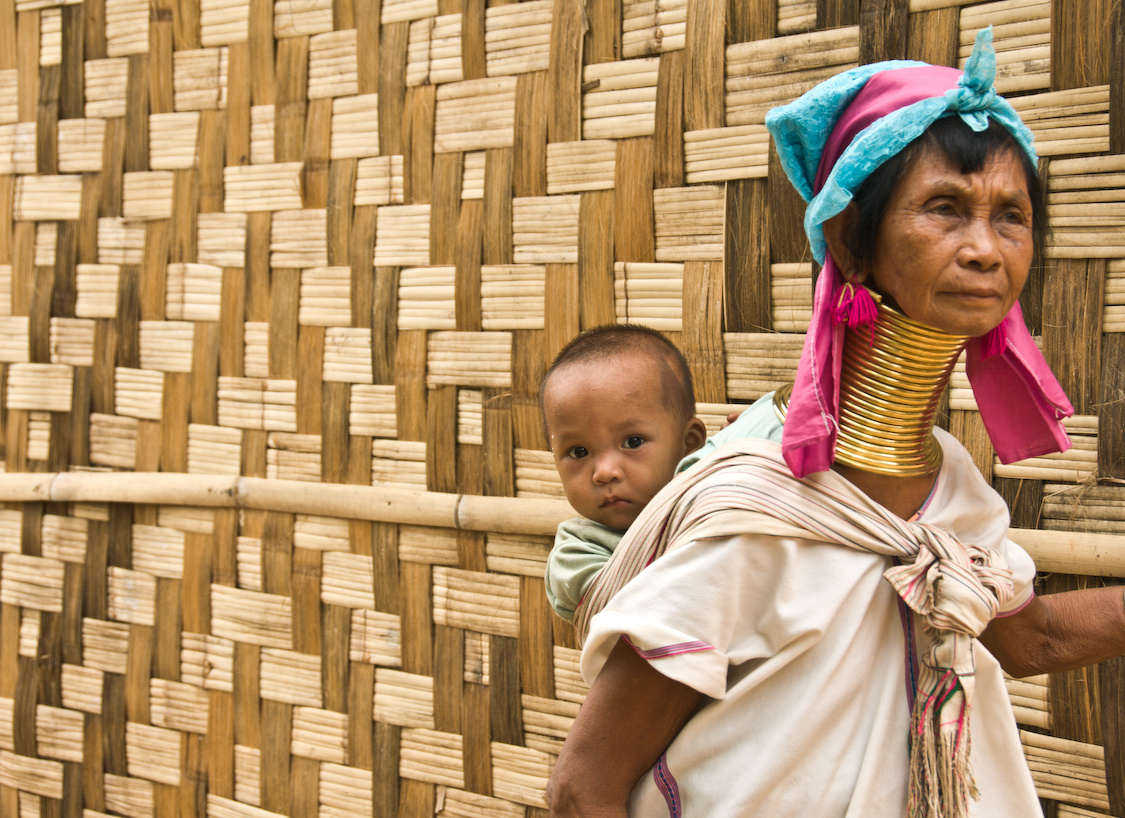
(941, 778)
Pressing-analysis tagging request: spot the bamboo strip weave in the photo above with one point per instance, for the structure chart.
(517, 38)
(426, 298)
(475, 114)
(432, 756)
(200, 78)
(1021, 37)
(470, 417)
(333, 68)
(63, 538)
(321, 735)
(653, 27)
(620, 99)
(758, 363)
(379, 181)
(105, 645)
(536, 476)
(290, 677)
(262, 127)
(81, 145)
(433, 53)
(585, 165)
(15, 339)
(220, 239)
(372, 411)
(405, 699)
(650, 294)
(481, 359)
(126, 27)
(105, 84)
(429, 546)
(473, 175)
(689, 223)
(355, 126)
(545, 229)
(1070, 771)
(801, 61)
(223, 22)
(295, 18)
(721, 154)
(173, 141)
(513, 296)
(17, 148)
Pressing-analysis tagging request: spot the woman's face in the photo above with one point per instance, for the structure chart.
(954, 249)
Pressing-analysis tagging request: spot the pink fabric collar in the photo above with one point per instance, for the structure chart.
(1021, 402)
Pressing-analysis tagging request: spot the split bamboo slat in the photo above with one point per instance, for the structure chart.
(620, 99)
(1021, 36)
(517, 38)
(279, 280)
(650, 294)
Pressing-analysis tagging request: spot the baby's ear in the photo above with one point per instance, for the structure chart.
(695, 433)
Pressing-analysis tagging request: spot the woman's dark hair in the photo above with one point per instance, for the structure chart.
(967, 149)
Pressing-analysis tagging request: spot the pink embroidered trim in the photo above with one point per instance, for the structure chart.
(666, 783)
(667, 650)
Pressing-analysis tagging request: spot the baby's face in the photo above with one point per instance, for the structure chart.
(614, 441)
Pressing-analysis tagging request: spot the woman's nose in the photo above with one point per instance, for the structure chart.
(980, 247)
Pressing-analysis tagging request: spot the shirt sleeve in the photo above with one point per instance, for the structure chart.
(1023, 578)
(582, 548)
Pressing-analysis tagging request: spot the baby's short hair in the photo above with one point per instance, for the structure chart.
(612, 340)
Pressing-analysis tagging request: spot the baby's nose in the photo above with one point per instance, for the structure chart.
(607, 467)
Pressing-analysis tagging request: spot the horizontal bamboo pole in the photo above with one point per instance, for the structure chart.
(495, 514)
(1073, 552)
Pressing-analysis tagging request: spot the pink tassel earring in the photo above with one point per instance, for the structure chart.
(854, 306)
(995, 340)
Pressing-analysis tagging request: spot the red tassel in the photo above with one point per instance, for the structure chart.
(995, 340)
(854, 305)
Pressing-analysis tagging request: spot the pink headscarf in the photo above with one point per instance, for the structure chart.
(1021, 402)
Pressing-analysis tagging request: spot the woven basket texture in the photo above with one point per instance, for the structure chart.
(278, 283)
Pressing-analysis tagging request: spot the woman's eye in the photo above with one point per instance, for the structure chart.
(578, 452)
(633, 441)
(1014, 217)
(944, 209)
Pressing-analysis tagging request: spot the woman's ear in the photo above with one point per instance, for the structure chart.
(836, 230)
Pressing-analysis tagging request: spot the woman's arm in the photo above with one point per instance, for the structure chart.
(1059, 632)
(630, 716)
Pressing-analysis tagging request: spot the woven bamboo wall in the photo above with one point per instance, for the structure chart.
(292, 248)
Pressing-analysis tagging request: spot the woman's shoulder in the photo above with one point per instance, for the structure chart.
(963, 502)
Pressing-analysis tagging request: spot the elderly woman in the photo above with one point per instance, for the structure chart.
(820, 626)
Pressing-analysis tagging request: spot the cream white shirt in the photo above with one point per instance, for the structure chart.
(802, 648)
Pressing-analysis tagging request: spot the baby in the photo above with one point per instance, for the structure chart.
(619, 410)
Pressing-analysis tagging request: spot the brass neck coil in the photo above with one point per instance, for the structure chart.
(892, 380)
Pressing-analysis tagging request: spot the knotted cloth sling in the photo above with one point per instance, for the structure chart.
(954, 589)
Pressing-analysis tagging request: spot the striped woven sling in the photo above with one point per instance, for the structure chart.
(953, 588)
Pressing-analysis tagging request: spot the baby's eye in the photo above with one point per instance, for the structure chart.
(633, 441)
(578, 452)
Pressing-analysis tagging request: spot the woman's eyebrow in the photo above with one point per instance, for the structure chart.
(947, 186)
